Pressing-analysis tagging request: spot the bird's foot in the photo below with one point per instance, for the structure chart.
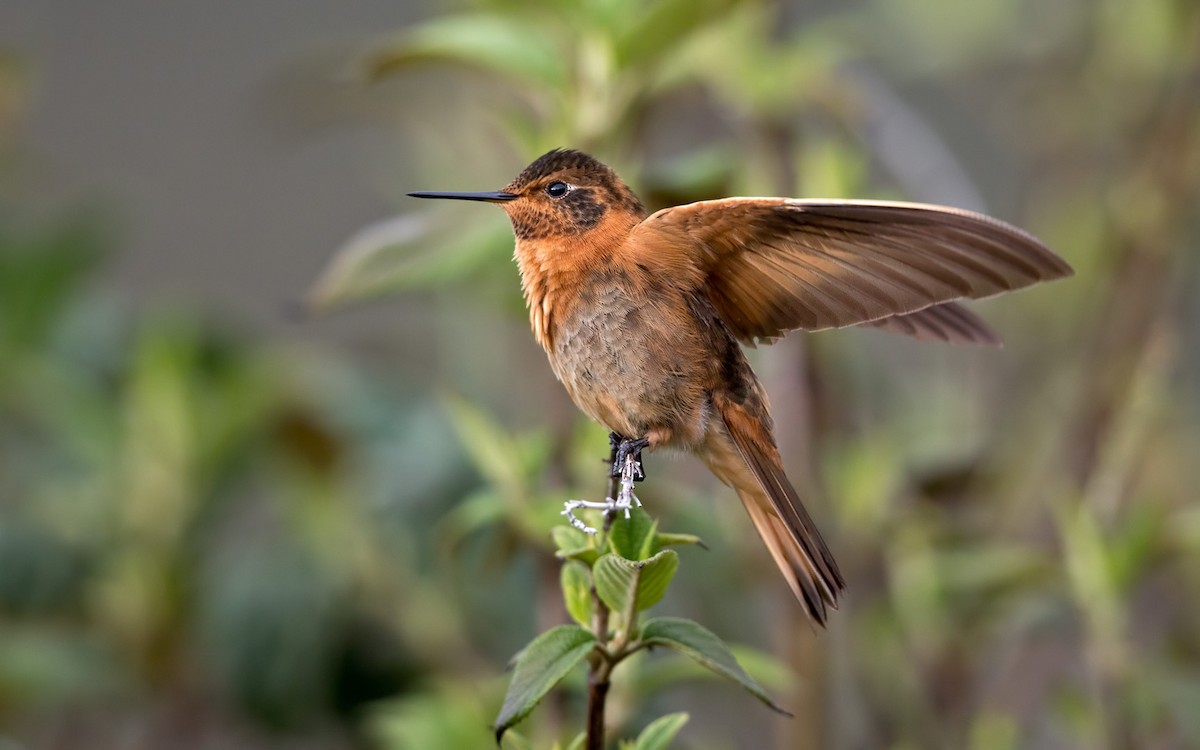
(628, 449)
(571, 506)
(631, 469)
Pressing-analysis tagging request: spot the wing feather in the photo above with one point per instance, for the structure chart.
(949, 322)
(771, 265)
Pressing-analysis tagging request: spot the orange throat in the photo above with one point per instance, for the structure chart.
(553, 269)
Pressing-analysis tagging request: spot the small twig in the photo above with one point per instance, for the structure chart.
(601, 661)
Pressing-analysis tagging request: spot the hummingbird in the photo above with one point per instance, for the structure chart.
(643, 316)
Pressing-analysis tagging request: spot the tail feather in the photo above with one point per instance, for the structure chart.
(780, 517)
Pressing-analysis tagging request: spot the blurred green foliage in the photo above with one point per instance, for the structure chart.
(210, 537)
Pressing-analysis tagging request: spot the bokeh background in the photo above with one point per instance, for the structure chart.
(279, 457)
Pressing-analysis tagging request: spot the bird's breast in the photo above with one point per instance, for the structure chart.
(629, 356)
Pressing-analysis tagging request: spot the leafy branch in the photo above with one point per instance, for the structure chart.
(608, 580)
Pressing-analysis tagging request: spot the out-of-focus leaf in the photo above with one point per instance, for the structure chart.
(698, 175)
(38, 275)
(476, 512)
(1140, 40)
(987, 568)
(270, 618)
(862, 474)
(49, 666)
(576, 583)
(407, 252)
(539, 667)
(1091, 578)
(509, 47)
(39, 572)
(537, 517)
(448, 716)
(751, 73)
(515, 741)
(1135, 546)
(1073, 709)
(833, 166)
(993, 731)
(358, 267)
(658, 734)
(535, 448)
(916, 581)
(660, 28)
(668, 539)
(980, 33)
(702, 646)
(1184, 529)
(620, 582)
(577, 743)
(1182, 694)
(493, 450)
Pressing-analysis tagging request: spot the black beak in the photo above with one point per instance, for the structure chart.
(486, 197)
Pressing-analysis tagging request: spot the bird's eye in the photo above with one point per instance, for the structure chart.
(557, 189)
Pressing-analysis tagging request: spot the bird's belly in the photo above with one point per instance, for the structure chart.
(627, 369)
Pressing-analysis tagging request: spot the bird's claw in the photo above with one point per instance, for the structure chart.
(573, 505)
(631, 469)
(626, 450)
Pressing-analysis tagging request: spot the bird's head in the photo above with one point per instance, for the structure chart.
(562, 194)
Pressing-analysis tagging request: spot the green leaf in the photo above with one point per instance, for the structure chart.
(658, 734)
(539, 667)
(493, 450)
(447, 715)
(648, 547)
(1133, 545)
(1090, 573)
(501, 46)
(662, 27)
(988, 568)
(577, 592)
(630, 538)
(40, 275)
(515, 741)
(700, 644)
(356, 267)
(411, 251)
(620, 582)
(993, 731)
(477, 511)
(765, 668)
(577, 743)
(568, 538)
(573, 544)
(663, 539)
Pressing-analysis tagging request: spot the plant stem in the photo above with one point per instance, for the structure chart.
(600, 664)
(597, 694)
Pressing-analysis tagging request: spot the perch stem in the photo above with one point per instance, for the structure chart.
(601, 663)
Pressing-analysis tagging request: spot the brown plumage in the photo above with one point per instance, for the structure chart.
(641, 317)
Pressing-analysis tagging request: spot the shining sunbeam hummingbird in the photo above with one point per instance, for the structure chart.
(643, 317)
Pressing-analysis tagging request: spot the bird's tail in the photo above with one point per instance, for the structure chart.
(749, 462)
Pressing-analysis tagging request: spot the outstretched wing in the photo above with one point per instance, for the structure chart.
(771, 265)
(949, 322)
